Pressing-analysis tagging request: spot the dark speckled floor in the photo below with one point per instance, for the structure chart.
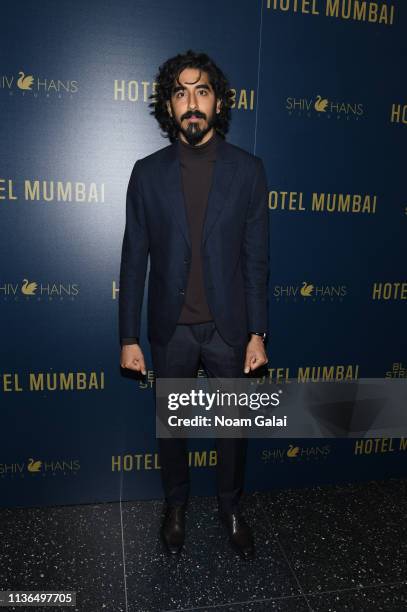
(327, 549)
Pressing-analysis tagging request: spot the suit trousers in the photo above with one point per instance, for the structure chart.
(180, 358)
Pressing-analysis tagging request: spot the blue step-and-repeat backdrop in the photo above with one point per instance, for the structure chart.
(321, 95)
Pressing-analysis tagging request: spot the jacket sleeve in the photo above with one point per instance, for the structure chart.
(255, 252)
(134, 258)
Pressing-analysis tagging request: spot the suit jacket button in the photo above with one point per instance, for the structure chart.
(186, 261)
(182, 291)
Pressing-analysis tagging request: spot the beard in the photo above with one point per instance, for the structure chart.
(193, 133)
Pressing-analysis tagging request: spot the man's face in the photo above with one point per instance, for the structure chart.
(193, 106)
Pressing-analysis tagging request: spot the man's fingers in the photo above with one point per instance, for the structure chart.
(130, 366)
(253, 361)
(250, 360)
(137, 365)
(247, 364)
(142, 366)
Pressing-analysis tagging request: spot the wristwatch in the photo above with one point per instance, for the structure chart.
(262, 334)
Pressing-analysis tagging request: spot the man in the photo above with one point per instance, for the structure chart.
(199, 208)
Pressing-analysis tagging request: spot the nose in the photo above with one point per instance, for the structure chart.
(192, 102)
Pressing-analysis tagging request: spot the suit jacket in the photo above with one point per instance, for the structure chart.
(234, 248)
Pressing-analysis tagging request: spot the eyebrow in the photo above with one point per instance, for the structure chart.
(181, 87)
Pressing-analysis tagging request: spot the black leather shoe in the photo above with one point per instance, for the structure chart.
(173, 528)
(240, 534)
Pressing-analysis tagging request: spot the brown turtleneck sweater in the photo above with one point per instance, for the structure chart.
(197, 163)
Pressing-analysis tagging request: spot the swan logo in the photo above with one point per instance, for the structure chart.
(28, 288)
(306, 289)
(321, 106)
(29, 83)
(34, 466)
(309, 291)
(294, 453)
(25, 81)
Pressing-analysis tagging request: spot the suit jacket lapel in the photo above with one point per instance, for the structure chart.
(223, 173)
(172, 183)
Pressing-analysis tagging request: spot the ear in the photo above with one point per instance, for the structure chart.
(218, 105)
(169, 108)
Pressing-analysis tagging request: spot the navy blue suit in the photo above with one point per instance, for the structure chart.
(234, 253)
(234, 246)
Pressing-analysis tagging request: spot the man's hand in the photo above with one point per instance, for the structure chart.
(255, 354)
(132, 358)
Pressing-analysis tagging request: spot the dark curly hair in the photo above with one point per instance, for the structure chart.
(167, 75)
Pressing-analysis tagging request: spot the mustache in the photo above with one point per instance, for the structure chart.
(193, 113)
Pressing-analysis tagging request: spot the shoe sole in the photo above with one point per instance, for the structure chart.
(172, 551)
